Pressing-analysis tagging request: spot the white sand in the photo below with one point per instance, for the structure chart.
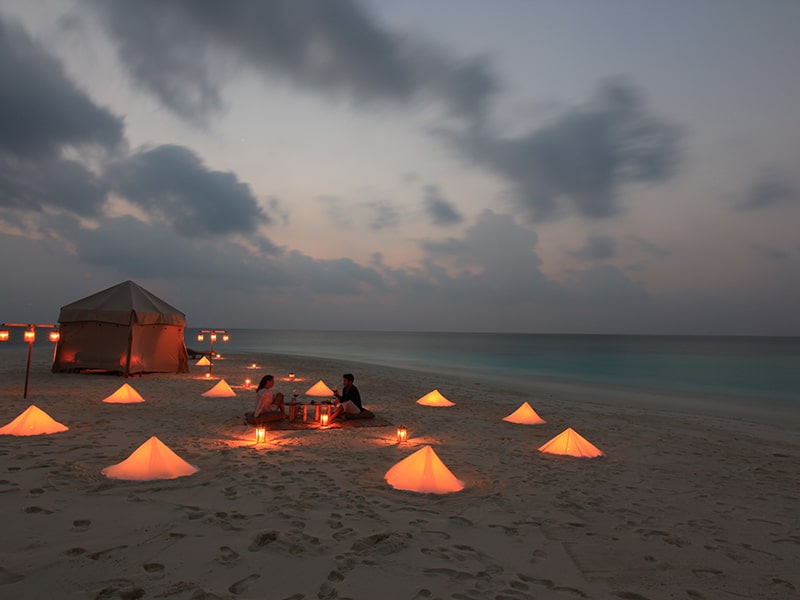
(682, 506)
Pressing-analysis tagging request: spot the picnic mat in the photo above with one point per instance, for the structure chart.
(343, 424)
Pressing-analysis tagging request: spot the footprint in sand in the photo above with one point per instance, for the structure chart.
(7, 577)
(262, 539)
(81, 524)
(227, 555)
(37, 510)
(36, 492)
(241, 586)
(156, 570)
(75, 551)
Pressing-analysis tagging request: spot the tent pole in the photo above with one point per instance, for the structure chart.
(28, 369)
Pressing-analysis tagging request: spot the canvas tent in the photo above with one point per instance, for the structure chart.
(123, 329)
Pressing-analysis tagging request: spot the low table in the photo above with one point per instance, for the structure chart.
(318, 408)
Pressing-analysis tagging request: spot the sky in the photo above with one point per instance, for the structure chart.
(618, 167)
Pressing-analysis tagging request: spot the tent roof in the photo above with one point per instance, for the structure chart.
(124, 303)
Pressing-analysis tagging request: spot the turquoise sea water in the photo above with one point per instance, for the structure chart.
(753, 370)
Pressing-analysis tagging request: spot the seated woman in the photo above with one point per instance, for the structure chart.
(349, 401)
(268, 407)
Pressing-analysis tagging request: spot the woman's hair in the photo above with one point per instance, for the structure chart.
(263, 383)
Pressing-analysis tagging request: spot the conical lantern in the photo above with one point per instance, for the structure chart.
(33, 421)
(152, 460)
(525, 415)
(423, 471)
(124, 395)
(435, 398)
(221, 390)
(570, 443)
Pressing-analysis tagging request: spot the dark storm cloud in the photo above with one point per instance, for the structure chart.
(65, 184)
(42, 114)
(769, 190)
(441, 211)
(178, 50)
(172, 183)
(41, 110)
(151, 250)
(597, 247)
(579, 163)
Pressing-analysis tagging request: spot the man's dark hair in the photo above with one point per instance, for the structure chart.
(349, 377)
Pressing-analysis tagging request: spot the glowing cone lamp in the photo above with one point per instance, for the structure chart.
(221, 390)
(423, 471)
(33, 421)
(319, 390)
(571, 443)
(124, 395)
(435, 398)
(152, 460)
(203, 362)
(525, 415)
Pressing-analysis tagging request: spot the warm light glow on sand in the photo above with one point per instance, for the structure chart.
(319, 389)
(423, 471)
(570, 443)
(124, 395)
(221, 390)
(152, 460)
(203, 362)
(435, 398)
(33, 421)
(525, 415)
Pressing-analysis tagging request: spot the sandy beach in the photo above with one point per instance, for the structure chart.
(681, 506)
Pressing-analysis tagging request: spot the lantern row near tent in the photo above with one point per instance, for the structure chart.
(30, 336)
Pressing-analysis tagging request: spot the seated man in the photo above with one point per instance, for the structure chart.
(268, 407)
(349, 401)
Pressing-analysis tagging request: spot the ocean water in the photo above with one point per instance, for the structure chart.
(759, 371)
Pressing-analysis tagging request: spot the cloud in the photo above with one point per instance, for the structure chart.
(31, 186)
(495, 261)
(768, 190)
(579, 163)
(439, 209)
(598, 247)
(170, 182)
(384, 215)
(41, 110)
(179, 51)
(43, 114)
(341, 277)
